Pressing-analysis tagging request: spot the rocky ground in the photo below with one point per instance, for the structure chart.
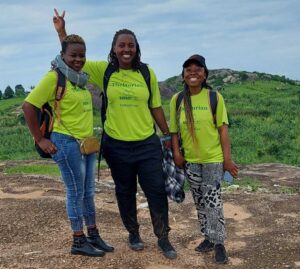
(263, 227)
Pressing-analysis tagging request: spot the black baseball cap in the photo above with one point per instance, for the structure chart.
(198, 59)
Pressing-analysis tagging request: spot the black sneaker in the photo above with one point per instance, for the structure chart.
(135, 242)
(82, 247)
(220, 254)
(94, 239)
(167, 249)
(205, 246)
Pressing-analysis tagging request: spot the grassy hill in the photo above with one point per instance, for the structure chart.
(263, 112)
(16, 141)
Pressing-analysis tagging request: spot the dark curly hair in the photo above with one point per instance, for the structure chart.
(71, 39)
(112, 58)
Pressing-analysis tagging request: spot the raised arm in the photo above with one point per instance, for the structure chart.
(59, 24)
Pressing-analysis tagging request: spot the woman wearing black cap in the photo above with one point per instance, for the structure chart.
(204, 151)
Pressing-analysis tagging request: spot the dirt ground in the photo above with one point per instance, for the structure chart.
(263, 227)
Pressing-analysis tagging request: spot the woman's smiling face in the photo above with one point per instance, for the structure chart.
(194, 75)
(74, 56)
(125, 50)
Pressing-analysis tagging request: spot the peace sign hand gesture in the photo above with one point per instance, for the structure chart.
(58, 21)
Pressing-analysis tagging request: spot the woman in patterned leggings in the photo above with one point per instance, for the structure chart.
(203, 150)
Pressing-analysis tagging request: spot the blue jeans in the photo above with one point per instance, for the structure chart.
(78, 173)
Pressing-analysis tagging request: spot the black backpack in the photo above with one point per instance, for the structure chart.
(213, 101)
(45, 113)
(111, 68)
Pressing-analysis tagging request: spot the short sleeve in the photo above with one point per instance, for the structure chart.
(155, 93)
(44, 91)
(95, 70)
(221, 113)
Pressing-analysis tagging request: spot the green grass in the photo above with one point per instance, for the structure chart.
(41, 169)
(50, 170)
(103, 164)
(263, 115)
(264, 122)
(248, 183)
(10, 104)
(288, 190)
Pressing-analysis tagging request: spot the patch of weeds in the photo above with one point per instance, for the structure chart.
(103, 165)
(186, 186)
(249, 184)
(43, 169)
(50, 170)
(288, 190)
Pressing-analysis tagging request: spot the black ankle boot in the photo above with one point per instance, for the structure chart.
(205, 246)
(135, 241)
(166, 247)
(220, 254)
(82, 247)
(95, 239)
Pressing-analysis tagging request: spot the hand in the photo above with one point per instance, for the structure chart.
(179, 160)
(231, 167)
(47, 146)
(58, 21)
(167, 144)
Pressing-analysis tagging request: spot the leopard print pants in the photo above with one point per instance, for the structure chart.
(205, 185)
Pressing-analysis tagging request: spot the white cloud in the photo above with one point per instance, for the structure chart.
(239, 34)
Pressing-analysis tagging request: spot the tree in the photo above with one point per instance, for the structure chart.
(0, 94)
(19, 90)
(8, 93)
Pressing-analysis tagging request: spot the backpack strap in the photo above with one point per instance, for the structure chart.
(146, 74)
(107, 74)
(213, 101)
(179, 100)
(59, 92)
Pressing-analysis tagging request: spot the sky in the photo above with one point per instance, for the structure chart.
(243, 35)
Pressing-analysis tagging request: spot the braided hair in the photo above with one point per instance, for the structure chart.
(188, 107)
(71, 39)
(112, 58)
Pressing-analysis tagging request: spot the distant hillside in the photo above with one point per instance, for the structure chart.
(263, 113)
(219, 78)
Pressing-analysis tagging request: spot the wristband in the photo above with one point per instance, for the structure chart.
(166, 137)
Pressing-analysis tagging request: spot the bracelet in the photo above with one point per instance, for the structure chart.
(166, 137)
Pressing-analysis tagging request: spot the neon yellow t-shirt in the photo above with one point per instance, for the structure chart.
(76, 106)
(208, 147)
(128, 117)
